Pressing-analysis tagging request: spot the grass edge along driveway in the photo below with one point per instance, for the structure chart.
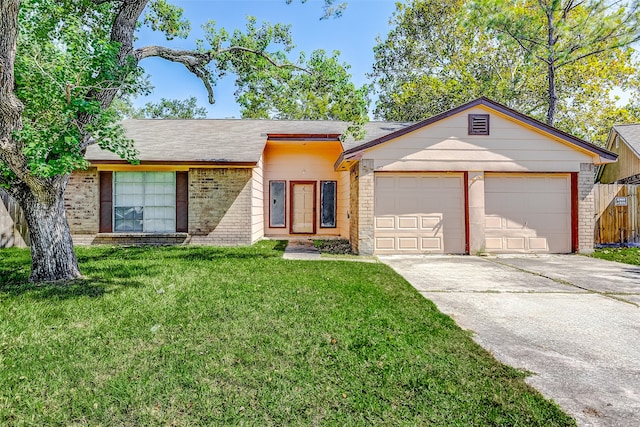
(228, 336)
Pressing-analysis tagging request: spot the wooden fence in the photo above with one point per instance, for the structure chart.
(617, 214)
(13, 226)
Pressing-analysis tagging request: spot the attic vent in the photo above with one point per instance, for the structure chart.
(478, 124)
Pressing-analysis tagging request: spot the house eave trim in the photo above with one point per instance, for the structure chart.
(222, 163)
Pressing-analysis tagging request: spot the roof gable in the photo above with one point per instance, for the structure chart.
(629, 134)
(626, 171)
(605, 155)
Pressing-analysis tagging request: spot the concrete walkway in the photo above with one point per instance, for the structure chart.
(573, 321)
(301, 249)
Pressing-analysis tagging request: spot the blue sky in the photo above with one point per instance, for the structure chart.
(354, 35)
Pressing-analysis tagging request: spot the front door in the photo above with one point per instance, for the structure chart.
(303, 207)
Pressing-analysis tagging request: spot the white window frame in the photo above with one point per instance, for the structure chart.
(146, 183)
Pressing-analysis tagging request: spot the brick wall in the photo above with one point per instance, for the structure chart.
(219, 210)
(586, 208)
(220, 206)
(353, 207)
(81, 202)
(365, 207)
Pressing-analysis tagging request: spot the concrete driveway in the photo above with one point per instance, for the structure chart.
(573, 321)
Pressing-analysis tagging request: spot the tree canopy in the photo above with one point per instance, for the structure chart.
(441, 54)
(164, 109)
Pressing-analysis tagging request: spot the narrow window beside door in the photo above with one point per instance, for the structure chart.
(277, 196)
(328, 204)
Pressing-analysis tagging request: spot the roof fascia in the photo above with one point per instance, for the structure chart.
(218, 163)
(303, 137)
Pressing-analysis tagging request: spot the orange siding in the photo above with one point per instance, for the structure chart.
(305, 161)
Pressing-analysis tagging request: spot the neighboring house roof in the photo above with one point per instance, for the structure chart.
(225, 141)
(603, 153)
(630, 135)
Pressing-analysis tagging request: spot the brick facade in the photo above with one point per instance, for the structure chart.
(586, 208)
(353, 207)
(219, 210)
(81, 202)
(220, 206)
(365, 204)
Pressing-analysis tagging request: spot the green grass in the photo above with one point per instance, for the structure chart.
(625, 255)
(193, 336)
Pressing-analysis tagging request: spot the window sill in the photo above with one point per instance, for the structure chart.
(141, 238)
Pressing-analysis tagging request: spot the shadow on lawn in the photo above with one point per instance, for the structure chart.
(110, 269)
(262, 250)
(84, 287)
(97, 280)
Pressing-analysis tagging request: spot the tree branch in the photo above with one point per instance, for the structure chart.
(196, 62)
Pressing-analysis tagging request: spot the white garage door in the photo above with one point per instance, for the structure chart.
(527, 213)
(419, 213)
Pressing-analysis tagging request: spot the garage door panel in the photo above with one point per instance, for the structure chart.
(430, 222)
(492, 222)
(538, 243)
(408, 243)
(408, 183)
(550, 223)
(420, 212)
(385, 184)
(529, 213)
(406, 205)
(513, 224)
(431, 244)
(493, 244)
(385, 243)
(515, 243)
(408, 223)
(539, 203)
(387, 223)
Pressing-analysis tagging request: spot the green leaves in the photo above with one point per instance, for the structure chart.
(171, 109)
(332, 9)
(64, 60)
(167, 18)
(320, 89)
(433, 60)
(441, 54)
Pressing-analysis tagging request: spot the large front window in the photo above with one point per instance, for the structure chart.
(144, 202)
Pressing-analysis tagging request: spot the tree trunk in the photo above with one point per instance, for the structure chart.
(52, 255)
(551, 64)
(553, 94)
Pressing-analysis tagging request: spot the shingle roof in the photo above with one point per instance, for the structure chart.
(224, 140)
(631, 136)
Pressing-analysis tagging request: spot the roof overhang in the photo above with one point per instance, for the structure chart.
(303, 137)
(168, 165)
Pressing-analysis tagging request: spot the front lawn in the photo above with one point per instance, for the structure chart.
(208, 336)
(625, 255)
